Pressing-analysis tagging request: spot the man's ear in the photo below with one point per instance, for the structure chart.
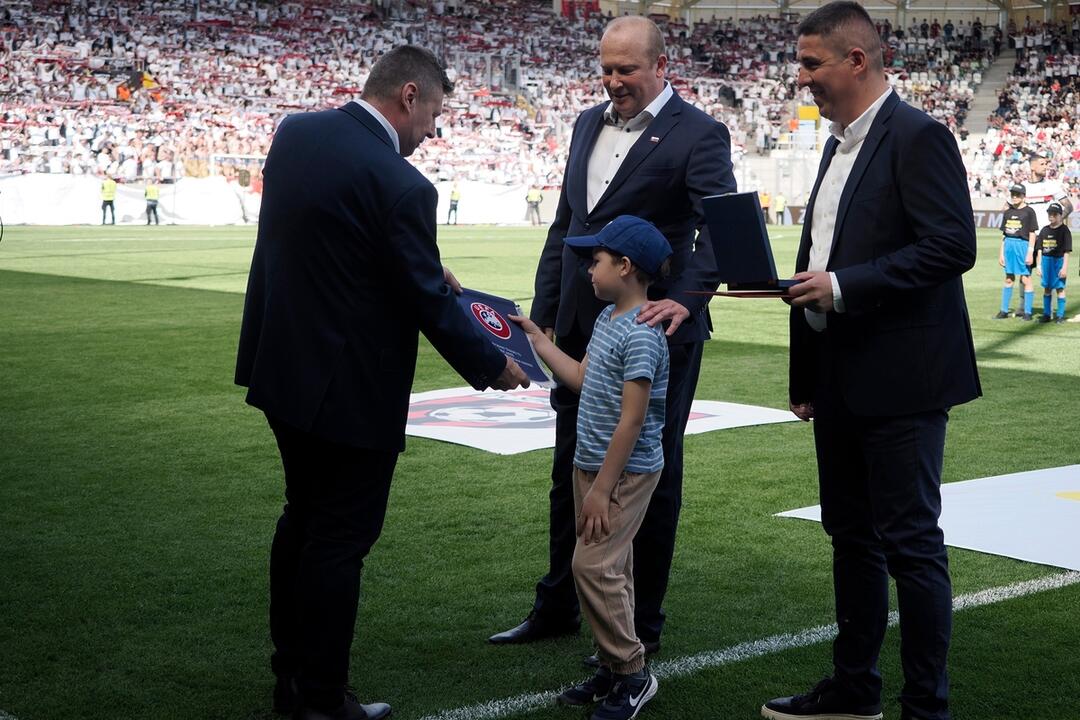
(410, 93)
(859, 59)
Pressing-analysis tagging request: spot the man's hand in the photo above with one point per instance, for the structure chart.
(814, 291)
(657, 311)
(511, 377)
(451, 280)
(803, 411)
(592, 522)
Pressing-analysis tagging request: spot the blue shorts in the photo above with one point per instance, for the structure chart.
(1051, 269)
(1015, 255)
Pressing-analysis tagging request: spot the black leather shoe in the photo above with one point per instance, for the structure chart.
(536, 628)
(824, 702)
(286, 695)
(351, 709)
(651, 648)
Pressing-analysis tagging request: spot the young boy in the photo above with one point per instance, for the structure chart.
(1055, 244)
(623, 382)
(1018, 227)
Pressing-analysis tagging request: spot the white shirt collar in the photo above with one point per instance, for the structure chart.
(857, 130)
(382, 121)
(651, 110)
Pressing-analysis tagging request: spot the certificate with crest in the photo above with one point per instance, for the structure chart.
(491, 314)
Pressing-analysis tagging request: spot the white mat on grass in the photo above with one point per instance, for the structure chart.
(518, 421)
(1032, 516)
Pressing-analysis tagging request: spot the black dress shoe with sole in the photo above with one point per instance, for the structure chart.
(824, 702)
(536, 628)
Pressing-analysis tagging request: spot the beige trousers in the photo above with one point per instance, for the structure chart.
(604, 570)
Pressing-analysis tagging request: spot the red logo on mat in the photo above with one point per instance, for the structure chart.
(492, 321)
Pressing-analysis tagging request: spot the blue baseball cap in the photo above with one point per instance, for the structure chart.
(627, 235)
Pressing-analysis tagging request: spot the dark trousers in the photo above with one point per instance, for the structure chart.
(335, 504)
(107, 205)
(880, 481)
(654, 546)
(151, 209)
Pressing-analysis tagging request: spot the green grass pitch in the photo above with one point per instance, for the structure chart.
(138, 495)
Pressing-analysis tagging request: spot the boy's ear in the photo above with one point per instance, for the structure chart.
(625, 267)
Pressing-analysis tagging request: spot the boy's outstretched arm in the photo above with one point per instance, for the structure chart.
(592, 523)
(569, 371)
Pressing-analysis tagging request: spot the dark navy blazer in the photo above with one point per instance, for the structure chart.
(904, 235)
(682, 156)
(344, 276)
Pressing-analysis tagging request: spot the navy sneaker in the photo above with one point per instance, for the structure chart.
(628, 697)
(590, 691)
(1002, 314)
(1026, 317)
(824, 702)
(1044, 318)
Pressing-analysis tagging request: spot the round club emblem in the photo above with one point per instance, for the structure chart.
(492, 321)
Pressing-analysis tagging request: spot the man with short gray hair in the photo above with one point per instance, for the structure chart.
(345, 275)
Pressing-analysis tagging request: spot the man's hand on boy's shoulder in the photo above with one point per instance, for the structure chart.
(593, 523)
(658, 311)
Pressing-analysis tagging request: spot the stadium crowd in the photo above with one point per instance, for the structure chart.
(157, 89)
(1037, 112)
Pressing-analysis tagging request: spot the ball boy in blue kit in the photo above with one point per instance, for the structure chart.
(1054, 243)
(1018, 228)
(623, 382)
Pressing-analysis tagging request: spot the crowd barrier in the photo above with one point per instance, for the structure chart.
(43, 199)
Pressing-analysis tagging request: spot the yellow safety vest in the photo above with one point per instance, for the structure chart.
(153, 192)
(108, 189)
(455, 196)
(533, 196)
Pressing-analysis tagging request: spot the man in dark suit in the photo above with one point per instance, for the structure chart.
(880, 351)
(645, 153)
(344, 276)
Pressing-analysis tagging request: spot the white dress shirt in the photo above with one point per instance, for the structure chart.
(384, 122)
(616, 138)
(827, 202)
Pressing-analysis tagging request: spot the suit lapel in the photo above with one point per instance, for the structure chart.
(866, 154)
(661, 125)
(578, 164)
(368, 120)
(803, 260)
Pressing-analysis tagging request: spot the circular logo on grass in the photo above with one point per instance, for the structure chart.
(492, 321)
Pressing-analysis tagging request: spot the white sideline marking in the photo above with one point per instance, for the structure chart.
(689, 665)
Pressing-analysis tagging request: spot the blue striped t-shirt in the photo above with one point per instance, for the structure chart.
(621, 350)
